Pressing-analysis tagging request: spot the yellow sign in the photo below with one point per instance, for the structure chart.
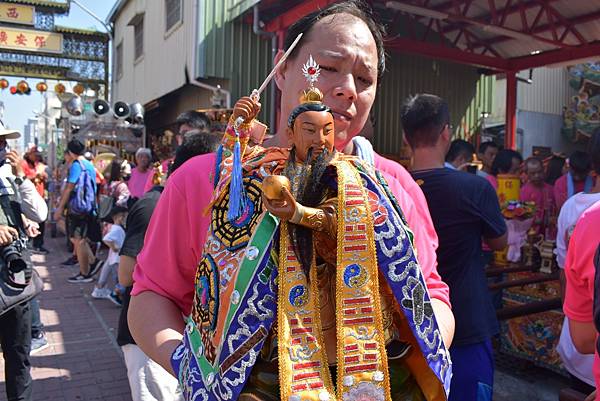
(32, 41)
(19, 14)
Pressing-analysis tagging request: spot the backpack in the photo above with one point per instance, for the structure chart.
(83, 197)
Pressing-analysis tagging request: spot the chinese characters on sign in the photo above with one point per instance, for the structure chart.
(30, 40)
(17, 13)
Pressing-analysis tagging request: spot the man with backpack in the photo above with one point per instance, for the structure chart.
(79, 198)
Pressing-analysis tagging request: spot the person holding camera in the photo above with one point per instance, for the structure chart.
(18, 198)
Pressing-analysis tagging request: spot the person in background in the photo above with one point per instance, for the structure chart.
(35, 170)
(114, 241)
(464, 209)
(507, 161)
(140, 174)
(141, 370)
(580, 286)
(578, 365)
(555, 169)
(19, 197)
(116, 186)
(83, 227)
(187, 121)
(486, 154)
(578, 178)
(536, 190)
(460, 155)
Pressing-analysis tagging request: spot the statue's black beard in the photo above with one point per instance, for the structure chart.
(309, 190)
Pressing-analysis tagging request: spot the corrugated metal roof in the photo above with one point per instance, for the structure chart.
(467, 92)
(80, 31)
(63, 6)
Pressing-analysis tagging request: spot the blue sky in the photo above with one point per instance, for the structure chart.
(17, 109)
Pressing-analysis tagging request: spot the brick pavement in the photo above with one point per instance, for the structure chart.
(83, 362)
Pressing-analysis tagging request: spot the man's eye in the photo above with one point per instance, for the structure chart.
(365, 81)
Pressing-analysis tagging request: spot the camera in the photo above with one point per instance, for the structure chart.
(12, 256)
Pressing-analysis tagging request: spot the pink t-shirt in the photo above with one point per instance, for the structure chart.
(579, 270)
(178, 228)
(492, 180)
(137, 181)
(544, 202)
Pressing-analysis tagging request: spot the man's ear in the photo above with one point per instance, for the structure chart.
(279, 74)
(290, 135)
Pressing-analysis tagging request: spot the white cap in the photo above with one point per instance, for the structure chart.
(8, 133)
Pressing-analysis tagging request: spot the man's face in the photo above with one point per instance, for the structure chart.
(142, 160)
(69, 157)
(515, 167)
(487, 157)
(312, 129)
(345, 49)
(535, 173)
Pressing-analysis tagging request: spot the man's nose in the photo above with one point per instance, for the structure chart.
(346, 87)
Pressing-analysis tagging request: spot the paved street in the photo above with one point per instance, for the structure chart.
(83, 362)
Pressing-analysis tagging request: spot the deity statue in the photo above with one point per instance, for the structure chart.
(309, 287)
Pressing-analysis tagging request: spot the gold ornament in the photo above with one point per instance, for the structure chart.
(41, 87)
(273, 185)
(3, 83)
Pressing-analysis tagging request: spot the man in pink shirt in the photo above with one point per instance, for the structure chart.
(579, 295)
(141, 172)
(576, 180)
(536, 190)
(347, 44)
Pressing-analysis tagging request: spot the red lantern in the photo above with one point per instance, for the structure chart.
(22, 86)
(3, 84)
(41, 87)
(78, 89)
(13, 90)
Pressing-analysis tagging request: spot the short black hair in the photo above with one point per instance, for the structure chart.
(580, 162)
(594, 147)
(554, 169)
(194, 143)
(76, 147)
(356, 8)
(503, 161)
(195, 119)
(459, 147)
(483, 146)
(304, 107)
(423, 118)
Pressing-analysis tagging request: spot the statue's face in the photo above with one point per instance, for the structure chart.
(312, 129)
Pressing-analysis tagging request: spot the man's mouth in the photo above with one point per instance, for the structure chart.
(342, 116)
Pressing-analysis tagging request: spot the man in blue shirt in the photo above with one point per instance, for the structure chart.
(464, 209)
(82, 227)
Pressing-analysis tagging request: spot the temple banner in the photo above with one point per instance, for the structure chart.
(581, 115)
(30, 40)
(16, 13)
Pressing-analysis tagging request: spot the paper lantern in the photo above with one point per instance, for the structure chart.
(3, 84)
(22, 86)
(13, 90)
(78, 89)
(41, 87)
(59, 88)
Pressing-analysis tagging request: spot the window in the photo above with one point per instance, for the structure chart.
(138, 38)
(173, 12)
(119, 60)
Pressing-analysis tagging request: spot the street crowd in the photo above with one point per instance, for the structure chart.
(151, 217)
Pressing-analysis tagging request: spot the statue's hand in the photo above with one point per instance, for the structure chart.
(246, 108)
(282, 208)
